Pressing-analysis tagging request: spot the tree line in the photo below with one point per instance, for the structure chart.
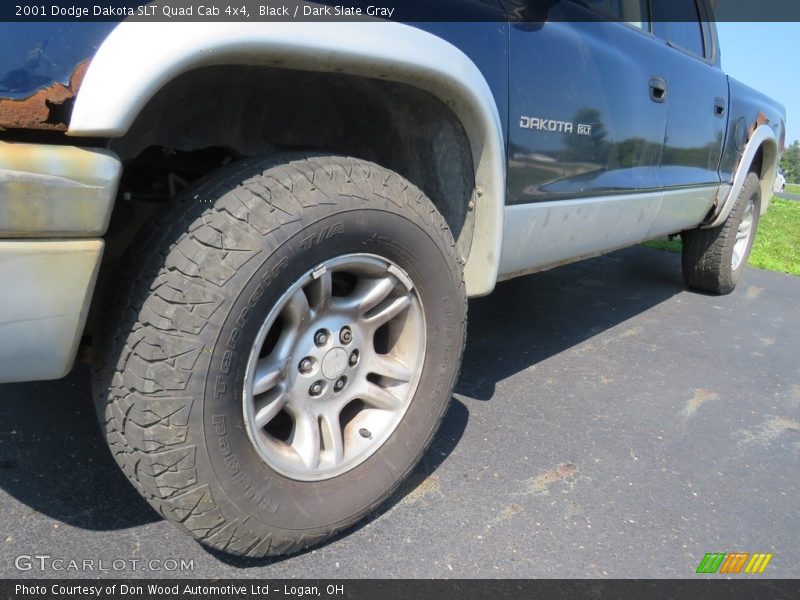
(790, 163)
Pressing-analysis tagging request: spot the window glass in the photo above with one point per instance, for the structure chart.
(683, 25)
(633, 12)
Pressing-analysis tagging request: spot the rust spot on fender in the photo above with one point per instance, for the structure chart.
(47, 108)
(761, 119)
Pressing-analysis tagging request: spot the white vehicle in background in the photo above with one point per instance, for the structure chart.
(780, 183)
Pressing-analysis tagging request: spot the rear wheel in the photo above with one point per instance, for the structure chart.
(284, 352)
(714, 259)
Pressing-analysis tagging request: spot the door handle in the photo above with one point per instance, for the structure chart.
(719, 107)
(658, 89)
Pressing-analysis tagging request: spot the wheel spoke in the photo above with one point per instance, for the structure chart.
(743, 233)
(389, 312)
(271, 369)
(378, 397)
(297, 309)
(269, 372)
(305, 439)
(369, 293)
(320, 291)
(389, 366)
(736, 257)
(332, 437)
(268, 408)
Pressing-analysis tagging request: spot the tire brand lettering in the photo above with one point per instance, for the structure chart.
(282, 263)
(224, 445)
(242, 317)
(232, 462)
(257, 496)
(232, 339)
(324, 234)
(225, 366)
(256, 295)
(219, 424)
(220, 388)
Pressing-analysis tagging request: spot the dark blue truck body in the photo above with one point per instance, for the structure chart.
(551, 67)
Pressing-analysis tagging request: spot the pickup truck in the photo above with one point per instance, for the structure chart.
(263, 235)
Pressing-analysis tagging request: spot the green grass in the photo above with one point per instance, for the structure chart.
(777, 246)
(673, 245)
(792, 188)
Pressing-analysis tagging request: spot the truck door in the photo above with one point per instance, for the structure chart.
(697, 100)
(582, 121)
(586, 130)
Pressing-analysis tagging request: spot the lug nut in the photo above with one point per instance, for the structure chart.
(321, 337)
(365, 433)
(316, 388)
(306, 365)
(353, 358)
(346, 336)
(340, 383)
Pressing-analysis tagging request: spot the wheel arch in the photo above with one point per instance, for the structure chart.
(129, 70)
(760, 156)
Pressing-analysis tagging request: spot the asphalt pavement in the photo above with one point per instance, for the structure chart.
(786, 196)
(607, 423)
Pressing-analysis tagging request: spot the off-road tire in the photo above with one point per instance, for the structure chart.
(707, 253)
(189, 298)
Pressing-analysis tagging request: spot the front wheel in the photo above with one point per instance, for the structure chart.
(286, 352)
(714, 259)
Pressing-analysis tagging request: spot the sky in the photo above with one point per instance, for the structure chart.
(764, 56)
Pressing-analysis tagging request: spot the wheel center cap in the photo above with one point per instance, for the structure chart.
(334, 363)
